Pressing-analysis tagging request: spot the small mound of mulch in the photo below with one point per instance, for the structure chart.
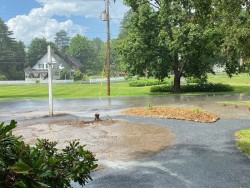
(189, 114)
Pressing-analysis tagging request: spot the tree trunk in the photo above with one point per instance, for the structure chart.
(177, 75)
(177, 83)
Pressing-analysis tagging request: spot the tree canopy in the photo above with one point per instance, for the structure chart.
(62, 41)
(84, 49)
(184, 36)
(12, 54)
(37, 49)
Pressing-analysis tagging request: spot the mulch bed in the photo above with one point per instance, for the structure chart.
(189, 114)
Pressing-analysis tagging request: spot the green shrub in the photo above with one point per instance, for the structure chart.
(78, 75)
(64, 73)
(207, 87)
(149, 106)
(22, 165)
(204, 87)
(162, 88)
(142, 83)
(3, 78)
(192, 80)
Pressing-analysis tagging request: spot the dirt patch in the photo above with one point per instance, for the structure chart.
(190, 114)
(109, 139)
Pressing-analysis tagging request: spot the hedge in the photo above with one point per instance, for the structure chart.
(142, 83)
(205, 87)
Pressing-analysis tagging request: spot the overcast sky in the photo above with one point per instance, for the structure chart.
(43, 18)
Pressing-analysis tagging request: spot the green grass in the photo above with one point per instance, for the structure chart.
(70, 91)
(243, 141)
(240, 83)
(239, 103)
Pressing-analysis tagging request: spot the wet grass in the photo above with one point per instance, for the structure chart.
(243, 141)
(70, 91)
(240, 83)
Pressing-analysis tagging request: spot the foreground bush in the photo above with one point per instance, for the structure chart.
(205, 87)
(142, 83)
(22, 165)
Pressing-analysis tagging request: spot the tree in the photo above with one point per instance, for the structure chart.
(97, 42)
(116, 62)
(62, 41)
(12, 54)
(235, 24)
(83, 49)
(180, 36)
(139, 44)
(37, 49)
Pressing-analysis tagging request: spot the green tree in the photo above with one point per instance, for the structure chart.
(235, 24)
(12, 54)
(84, 50)
(115, 58)
(97, 42)
(37, 49)
(142, 52)
(183, 36)
(62, 41)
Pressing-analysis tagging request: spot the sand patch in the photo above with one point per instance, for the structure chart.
(108, 140)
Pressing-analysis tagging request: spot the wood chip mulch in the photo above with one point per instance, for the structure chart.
(189, 114)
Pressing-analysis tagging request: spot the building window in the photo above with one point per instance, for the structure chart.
(40, 66)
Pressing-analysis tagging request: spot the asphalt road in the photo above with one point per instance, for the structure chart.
(204, 155)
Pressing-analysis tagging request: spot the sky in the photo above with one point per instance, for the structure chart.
(29, 19)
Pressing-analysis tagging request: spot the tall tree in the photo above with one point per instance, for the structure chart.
(12, 54)
(62, 41)
(84, 50)
(97, 42)
(178, 35)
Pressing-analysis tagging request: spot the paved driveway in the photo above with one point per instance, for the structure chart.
(204, 156)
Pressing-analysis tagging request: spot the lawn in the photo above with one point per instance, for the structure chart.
(243, 141)
(70, 91)
(241, 84)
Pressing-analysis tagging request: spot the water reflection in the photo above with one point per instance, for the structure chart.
(107, 105)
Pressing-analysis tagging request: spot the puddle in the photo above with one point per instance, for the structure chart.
(23, 109)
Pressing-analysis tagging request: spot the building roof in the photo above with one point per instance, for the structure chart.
(68, 62)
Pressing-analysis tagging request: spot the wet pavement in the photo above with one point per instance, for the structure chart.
(204, 155)
(23, 109)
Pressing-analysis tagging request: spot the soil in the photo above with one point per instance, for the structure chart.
(108, 139)
(190, 114)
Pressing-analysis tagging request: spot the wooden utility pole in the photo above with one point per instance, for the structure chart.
(50, 82)
(108, 48)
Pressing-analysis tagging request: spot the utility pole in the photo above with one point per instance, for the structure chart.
(50, 81)
(108, 48)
